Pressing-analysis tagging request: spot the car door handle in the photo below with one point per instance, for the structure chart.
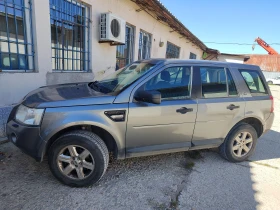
(184, 110)
(232, 107)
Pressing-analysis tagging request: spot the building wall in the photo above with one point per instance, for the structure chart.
(232, 59)
(14, 86)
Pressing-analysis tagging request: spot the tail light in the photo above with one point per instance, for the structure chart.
(272, 104)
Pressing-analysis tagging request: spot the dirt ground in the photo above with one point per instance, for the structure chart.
(197, 180)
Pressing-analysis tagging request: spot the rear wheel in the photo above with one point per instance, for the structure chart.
(270, 82)
(78, 158)
(240, 143)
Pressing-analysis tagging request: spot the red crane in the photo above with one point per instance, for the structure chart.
(266, 46)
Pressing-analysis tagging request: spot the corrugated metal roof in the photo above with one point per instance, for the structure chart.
(266, 62)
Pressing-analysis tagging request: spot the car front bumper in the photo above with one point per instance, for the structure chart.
(27, 138)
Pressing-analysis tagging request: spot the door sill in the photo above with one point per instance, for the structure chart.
(204, 147)
(157, 149)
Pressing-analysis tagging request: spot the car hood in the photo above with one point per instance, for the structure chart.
(76, 94)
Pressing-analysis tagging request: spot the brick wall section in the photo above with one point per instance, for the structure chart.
(266, 62)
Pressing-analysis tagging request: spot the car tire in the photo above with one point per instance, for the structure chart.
(270, 82)
(78, 158)
(240, 143)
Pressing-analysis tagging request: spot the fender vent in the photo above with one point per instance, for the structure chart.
(116, 115)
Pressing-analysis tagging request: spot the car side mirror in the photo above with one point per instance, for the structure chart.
(151, 96)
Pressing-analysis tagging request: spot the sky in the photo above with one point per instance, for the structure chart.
(230, 21)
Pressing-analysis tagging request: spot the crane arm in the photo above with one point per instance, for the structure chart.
(266, 46)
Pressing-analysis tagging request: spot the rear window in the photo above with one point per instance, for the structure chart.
(254, 81)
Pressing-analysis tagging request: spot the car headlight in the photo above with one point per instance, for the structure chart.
(29, 116)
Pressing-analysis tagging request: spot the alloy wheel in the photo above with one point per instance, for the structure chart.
(75, 162)
(242, 144)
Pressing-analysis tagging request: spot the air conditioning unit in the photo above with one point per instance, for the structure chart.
(112, 29)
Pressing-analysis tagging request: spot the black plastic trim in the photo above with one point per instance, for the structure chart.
(116, 112)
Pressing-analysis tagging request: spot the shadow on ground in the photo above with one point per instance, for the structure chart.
(218, 184)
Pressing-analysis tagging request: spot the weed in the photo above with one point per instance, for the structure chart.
(194, 154)
(174, 204)
(189, 165)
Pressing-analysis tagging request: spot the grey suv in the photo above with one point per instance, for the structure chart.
(149, 107)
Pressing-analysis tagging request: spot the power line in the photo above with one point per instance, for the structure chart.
(233, 43)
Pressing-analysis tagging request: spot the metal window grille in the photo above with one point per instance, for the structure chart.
(172, 51)
(16, 38)
(192, 56)
(70, 24)
(125, 52)
(144, 46)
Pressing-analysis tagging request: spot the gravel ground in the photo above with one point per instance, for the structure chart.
(197, 180)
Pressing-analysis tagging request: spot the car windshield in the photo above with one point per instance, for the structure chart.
(121, 79)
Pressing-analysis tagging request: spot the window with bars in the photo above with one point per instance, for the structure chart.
(70, 25)
(192, 56)
(16, 39)
(145, 43)
(172, 51)
(125, 52)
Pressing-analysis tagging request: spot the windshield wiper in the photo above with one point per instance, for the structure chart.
(95, 85)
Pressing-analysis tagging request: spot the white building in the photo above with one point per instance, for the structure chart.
(45, 42)
(215, 55)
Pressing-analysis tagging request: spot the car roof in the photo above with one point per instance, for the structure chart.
(202, 62)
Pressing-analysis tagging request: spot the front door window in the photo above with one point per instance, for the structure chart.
(173, 83)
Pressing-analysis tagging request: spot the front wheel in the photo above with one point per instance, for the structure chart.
(240, 143)
(78, 158)
(270, 82)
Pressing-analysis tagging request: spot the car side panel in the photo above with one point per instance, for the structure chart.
(214, 120)
(57, 119)
(151, 126)
(258, 107)
(255, 106)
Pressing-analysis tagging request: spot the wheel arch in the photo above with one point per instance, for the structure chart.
(110, 141)
(254, 122)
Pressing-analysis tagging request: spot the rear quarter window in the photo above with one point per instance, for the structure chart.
(254, 82)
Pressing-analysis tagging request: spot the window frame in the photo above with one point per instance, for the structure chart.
(191, 95)
(28, 36)
(198, 83)
(140, 57)
(261, 78)
(130, 55)
(193, 56)
(86, 28)
(174, 46)
(231, 96)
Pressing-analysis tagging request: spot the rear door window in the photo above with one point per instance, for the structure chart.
(253, 81)
(217, 82)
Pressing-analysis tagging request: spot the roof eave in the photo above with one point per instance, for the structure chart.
(164, 15)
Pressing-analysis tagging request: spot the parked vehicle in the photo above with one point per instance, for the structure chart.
(150, 107)
(275, 81)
